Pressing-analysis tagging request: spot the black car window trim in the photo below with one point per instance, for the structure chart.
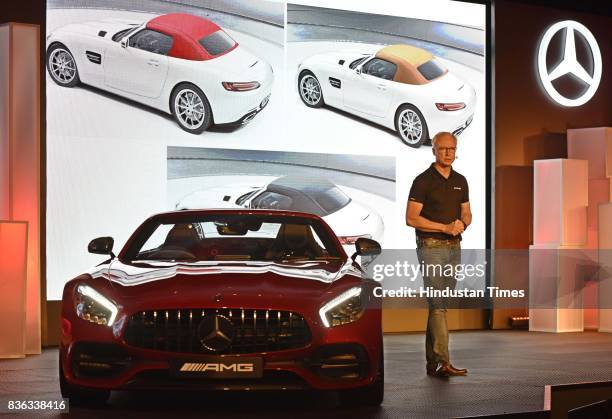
(145, 29)
(364, 68)
(245, 197)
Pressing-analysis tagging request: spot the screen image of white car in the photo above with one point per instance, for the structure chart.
(348, 218)
(178, 63)
(400, 87)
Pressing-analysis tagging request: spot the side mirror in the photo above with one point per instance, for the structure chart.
(358, 70)
(366, 247)
(102, 246)
(124, 42)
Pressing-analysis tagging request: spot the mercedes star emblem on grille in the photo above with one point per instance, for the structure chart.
(216, 333)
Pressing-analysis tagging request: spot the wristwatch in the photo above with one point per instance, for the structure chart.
(464, 224)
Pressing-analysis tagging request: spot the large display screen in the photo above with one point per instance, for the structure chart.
(325, 107)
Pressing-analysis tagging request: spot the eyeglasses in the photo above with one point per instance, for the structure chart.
(446, 150)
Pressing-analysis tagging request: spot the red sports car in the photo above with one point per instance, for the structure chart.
(224, 299)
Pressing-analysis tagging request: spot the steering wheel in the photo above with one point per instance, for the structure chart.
(173, 252)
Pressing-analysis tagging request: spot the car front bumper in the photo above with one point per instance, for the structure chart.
(343, 357)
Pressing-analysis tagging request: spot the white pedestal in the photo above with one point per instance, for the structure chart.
(594, 145)
(605, 267)
(555, 287)
(599, 193)
(560, 202)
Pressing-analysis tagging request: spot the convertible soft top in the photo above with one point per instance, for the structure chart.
(407, 58)
(186, 30)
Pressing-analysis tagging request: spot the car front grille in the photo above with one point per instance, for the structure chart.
(254, 331)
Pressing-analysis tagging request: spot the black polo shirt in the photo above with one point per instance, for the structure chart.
(441, 198)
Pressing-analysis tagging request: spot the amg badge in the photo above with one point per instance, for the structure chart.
(221, 367)
(217, 367)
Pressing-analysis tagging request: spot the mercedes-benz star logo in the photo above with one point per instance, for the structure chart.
(569, 64)
(216, 333)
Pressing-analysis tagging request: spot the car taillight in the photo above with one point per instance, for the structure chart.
(240, 86)
(450, 106)
(352, 239)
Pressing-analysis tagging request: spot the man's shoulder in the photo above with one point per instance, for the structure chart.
(424, 175)
(459, 176)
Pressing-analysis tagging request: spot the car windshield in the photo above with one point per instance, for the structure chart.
(232, 237)
(123, 33)
(358, 61)
(431, 69)
(242, 199)
(217, 43)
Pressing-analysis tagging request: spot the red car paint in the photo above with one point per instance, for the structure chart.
(267, 290)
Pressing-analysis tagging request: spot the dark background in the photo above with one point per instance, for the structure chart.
(528, 125)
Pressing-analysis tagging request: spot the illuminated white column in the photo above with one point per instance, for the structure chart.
(20, 156)
(560, 235)
(605, 267)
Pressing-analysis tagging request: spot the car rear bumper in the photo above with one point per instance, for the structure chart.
(248, 116)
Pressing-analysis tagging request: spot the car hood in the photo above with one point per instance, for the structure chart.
(239, 284)
(336, 56)
(93, 28)
(242, 66)
(217, 197)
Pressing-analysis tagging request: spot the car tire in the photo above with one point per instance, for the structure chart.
(61, 66)
(310, 90)
(81, 396)
(370, 395)
(190, 108)
(411, 126)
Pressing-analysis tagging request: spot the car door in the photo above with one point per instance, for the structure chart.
(140, 65)
(369, 88)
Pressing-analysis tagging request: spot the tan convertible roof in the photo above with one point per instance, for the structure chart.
(407, 58)
(412, 55)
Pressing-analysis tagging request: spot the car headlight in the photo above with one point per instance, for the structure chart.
(345, 308)
(92, 306)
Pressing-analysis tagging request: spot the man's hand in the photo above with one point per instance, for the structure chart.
(455, 228)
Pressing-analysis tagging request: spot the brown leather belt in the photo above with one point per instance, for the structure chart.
(436, 240)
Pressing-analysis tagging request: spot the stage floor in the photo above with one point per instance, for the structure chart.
(507, 373)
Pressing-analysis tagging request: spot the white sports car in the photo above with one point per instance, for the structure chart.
(401, 87)
(178, 63)
(348, 218)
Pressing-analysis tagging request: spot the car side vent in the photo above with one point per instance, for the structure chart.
(102, 34)
(341, 62)
(94, 57)
(335, 82)
(226, 198)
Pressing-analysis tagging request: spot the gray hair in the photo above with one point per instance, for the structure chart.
(441, 134)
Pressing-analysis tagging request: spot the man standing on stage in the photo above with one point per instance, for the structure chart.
(439, 209)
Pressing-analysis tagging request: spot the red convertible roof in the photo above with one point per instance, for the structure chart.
(186, 30)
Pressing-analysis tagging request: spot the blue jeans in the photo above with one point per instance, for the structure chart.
(435, 255)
